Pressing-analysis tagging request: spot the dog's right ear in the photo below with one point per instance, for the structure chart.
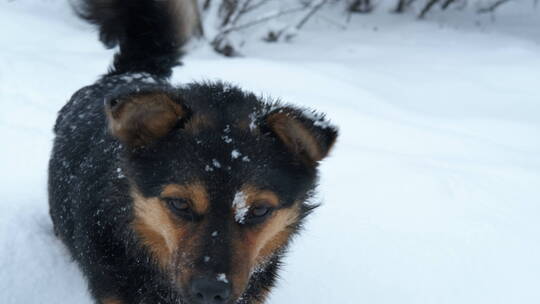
(306, 134)
(137, 120)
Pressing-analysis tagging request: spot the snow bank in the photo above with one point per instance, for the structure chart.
(431, 195)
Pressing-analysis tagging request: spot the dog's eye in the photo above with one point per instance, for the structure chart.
(258, 214)
(259, 211)
(178, 205)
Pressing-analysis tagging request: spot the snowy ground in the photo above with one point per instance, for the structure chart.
(432, 194)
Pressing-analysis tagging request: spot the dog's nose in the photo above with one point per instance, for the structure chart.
(210, 290)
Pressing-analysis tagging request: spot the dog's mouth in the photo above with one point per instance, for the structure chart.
(219, 289)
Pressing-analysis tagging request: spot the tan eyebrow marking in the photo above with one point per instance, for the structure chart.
(254, 195)
(194, 192)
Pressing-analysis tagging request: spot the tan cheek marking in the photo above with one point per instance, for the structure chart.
(111, 301)
(241, 267)
(274, 234)
(256, 246)
(155, 228)
(263, 296)
(253, 246)
(195, 192)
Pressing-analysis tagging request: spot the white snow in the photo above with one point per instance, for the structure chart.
(317, 118)
(144, 77)
(432, 193)
(119, 173)
(222, 278)
(252, 121)
(240, 207)
(216, 163)
(235, 154)
(227, 139)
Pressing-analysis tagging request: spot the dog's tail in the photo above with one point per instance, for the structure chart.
(148, 32)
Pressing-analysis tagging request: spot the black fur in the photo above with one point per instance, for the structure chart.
(144, 30)
(91, 172)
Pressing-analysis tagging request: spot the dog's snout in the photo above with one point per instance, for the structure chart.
(208, 290)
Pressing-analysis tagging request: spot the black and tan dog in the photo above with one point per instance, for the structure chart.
(177, 194)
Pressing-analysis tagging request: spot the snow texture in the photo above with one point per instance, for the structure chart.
(240, 207)
(227, 139)
(235, 154)
(431, 194)
(222, 278)
(216, 163)
(317, 119)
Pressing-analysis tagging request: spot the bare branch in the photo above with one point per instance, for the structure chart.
(310, 14)
(361, 6)
(242, 11)
(206, 4)
(491, 8)
(256, 5)
(447, 3)
(427, 8)
(261, 20)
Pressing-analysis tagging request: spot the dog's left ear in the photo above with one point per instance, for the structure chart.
(143, 118)
(308, 135)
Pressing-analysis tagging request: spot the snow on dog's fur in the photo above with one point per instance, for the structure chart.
(177, 194)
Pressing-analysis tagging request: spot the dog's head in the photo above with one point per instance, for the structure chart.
(219, 182)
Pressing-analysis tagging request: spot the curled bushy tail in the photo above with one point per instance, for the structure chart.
(147, 32)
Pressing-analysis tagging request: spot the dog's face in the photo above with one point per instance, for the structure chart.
(217, 197)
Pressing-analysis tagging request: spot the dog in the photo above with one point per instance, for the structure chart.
(177, 194)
